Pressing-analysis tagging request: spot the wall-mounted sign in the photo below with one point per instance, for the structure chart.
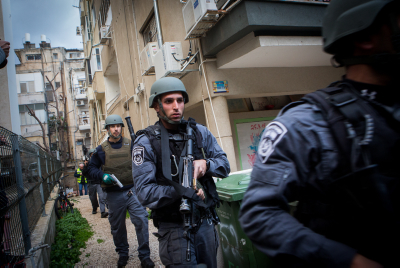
(220, 86)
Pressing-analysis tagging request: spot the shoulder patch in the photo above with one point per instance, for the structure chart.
(273, 133)
(138, 155)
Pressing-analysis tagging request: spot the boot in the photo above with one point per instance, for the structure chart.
(104, 214)
(147, 263)
(94, 211)
(123, 260)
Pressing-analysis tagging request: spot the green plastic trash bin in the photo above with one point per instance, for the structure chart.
(237, 249)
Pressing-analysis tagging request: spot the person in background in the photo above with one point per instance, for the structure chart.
(82, 181)
(4, 53)
(95, 189)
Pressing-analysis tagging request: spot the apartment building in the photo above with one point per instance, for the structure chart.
(241, 62)
(41, 68)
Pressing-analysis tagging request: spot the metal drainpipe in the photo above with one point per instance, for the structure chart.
(157, 16)
(77, 126)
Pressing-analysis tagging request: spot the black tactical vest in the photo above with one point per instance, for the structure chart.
(171, 212)
(360, 206)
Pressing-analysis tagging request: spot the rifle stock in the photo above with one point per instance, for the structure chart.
(131, 131)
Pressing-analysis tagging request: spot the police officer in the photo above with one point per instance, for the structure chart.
(153, 186)
(82, 180)
(95, 189)
(336, 152)
(114, 157)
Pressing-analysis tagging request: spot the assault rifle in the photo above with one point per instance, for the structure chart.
(186, 207)
(131, 131)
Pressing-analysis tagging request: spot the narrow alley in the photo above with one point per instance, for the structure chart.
(100, 249)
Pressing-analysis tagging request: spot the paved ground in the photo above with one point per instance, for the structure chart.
(100, 249)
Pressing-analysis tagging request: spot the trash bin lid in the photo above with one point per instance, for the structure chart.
(233, 187)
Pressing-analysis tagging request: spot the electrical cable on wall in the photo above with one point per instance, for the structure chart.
(209, 96)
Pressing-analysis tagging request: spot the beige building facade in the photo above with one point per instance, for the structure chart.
(246, 63)
(65, 70)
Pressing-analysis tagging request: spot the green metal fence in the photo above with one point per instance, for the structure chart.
(26, 173)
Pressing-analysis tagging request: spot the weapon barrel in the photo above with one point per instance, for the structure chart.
(130, 128)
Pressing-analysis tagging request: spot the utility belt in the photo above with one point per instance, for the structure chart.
(208, 214)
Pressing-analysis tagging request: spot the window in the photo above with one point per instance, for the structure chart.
(27, 86)
(98, 59)
(55, 56)
(58, 84)
(33, 56)
(150, 31)
(88, 71)
(79, 142)
(49, 93)
(81, 83)
(26, 119)
(93, 15)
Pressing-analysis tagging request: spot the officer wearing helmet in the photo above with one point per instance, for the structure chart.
(336, 152)
(113, 156)
(95, 188)
(151, 156)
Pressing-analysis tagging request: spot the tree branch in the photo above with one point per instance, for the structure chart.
(32, 113)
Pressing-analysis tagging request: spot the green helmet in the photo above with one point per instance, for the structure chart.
(346, 17)
(112, 120)
(164, 85)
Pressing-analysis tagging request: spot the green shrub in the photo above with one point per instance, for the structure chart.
(72, 232)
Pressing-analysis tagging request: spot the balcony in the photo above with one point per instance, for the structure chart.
(31, 97)
(265, 18)
(84, 127)
(80, 93)
(84, 122)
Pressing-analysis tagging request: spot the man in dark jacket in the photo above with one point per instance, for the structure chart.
(168, 98)
(336, 152)
(113, 157)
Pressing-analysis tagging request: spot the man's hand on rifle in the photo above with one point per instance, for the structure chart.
(199, 168)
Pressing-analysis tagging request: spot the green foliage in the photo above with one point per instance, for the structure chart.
(87, 255)
(100, 241)
(127, 215)
(149, 211)
(72, 232)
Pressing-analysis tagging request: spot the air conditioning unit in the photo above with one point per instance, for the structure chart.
(80, 103)
(164, 60)
(87, 135)
(78, 30)
(104, 34)
(147, 57)
(194, 10)
(188, 15)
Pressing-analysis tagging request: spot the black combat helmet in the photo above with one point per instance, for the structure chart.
(344, 18)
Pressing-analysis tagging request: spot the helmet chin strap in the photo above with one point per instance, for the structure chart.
(165, 118)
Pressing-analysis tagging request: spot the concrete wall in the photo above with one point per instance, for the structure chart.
(44, 233)
(8, 89)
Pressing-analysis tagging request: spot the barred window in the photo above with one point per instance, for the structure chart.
(150, 31)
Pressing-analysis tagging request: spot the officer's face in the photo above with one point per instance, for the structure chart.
(115, 129)
(173, 104)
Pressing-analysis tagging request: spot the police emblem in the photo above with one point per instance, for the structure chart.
(138, 155)
(273, 133)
